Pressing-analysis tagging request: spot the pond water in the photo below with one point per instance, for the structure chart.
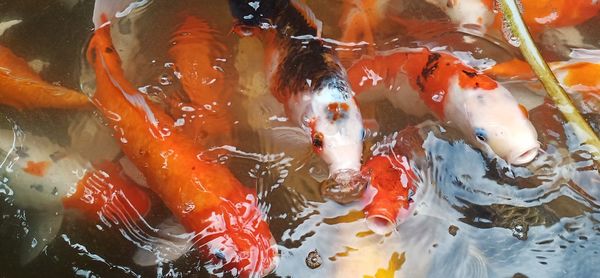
(473, 215)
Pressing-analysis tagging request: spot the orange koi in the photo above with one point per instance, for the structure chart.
(421, 80)
(104, 187)
(195, 50)
(580, 78)
(393, 183)
(22, 88)
(206, 198)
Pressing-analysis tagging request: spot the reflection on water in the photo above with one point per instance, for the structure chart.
(474, 215)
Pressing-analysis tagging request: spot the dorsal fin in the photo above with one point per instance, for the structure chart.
(308, 15)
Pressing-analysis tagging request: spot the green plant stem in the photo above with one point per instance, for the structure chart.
(584, 132)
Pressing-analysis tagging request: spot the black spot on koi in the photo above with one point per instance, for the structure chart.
(431, 66)
(470, 73)
(37, 187)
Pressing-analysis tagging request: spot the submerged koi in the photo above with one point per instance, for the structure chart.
(580, 76)
(22, 88)
(308, 79)
(195, 50)
(421, 80)
(47, 178)
(206, 198)
(537, 14)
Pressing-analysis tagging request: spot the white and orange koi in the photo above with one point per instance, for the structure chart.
(420, 80)
(307, 78)
(46, 178)
(537, 14)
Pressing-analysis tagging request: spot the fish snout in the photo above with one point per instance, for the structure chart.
(344, 186)
(523, 155)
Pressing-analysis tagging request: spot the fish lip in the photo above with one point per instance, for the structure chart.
(524, 156)
(380, 224)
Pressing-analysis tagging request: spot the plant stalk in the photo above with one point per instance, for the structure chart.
(512, 17)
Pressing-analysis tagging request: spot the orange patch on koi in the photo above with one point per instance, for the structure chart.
(337, 110)
(37, 168)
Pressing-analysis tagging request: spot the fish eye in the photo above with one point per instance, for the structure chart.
(317, 140)
(480, 134)
(219, 255)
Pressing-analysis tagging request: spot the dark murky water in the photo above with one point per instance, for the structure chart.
(474, 216)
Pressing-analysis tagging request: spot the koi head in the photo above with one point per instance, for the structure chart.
(239, 241)
(337, 133)
(494, 121)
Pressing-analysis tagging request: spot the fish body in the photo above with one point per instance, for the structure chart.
(537, 14)
(580, 76)
(485, 111)
(196, 50)
(308, 79)
(46, 178)
(392, 181)
(206, 198)
(22, 88)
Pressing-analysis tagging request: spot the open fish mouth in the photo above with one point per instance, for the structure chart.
(524, 156)
(344, 186)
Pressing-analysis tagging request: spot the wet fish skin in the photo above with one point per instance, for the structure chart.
(207, 198)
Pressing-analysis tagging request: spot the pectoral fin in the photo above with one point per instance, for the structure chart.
(43, 228)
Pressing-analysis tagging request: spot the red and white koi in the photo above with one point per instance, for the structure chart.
(419, 80)
(307, 78)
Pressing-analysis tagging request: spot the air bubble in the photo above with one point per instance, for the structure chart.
(508, 34)
(165, 79)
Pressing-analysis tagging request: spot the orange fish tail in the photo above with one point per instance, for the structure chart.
(106, 190)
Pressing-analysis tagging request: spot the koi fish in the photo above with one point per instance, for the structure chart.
(307, 78)
(418, 80)
(22, 88)
(580, 76)
(392, 181)
(537, 14)
(206, 198)
(195, 50)
(359, 19)
(46, 178)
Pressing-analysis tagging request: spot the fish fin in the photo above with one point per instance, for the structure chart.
(172, 242)
(514, 68)
(132, 172)
(85, 131)
(5, 25)
(589, 55)
(309, 16)
(43, 228)
(285, 139)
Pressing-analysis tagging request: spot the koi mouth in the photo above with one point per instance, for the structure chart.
(524, 157)
(344, 186)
